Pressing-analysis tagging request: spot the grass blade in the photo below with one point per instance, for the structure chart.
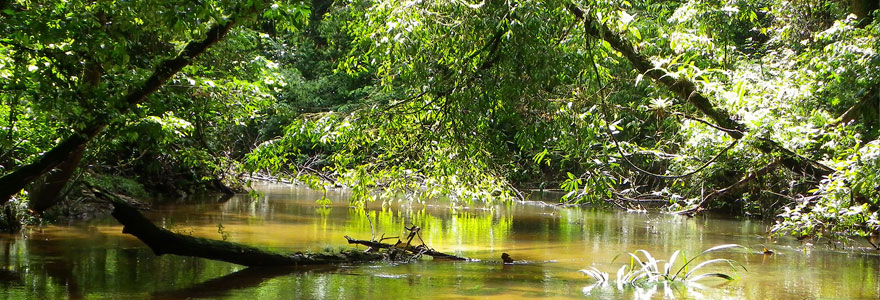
(703, 264)
(638, 275)
(596, 274)
(669, 263)
(636, 258)
(707, 275)
(720, 247)
(652, 263)
(713, 249)
(621, 273)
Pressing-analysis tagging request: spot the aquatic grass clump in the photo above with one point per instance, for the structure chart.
(647, 270)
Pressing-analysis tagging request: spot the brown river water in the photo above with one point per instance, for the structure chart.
(94, 260)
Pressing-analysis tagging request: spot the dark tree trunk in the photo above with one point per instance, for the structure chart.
(421, 249)
(14, 182)
(865, 112)
(734, 188)
(863, 10)
(686, 90)
(47, 193)
(163, 241)
(319, 8)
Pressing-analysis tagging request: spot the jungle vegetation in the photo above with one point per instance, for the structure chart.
(762, 108)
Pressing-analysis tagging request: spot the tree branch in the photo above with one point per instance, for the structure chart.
(685, 89)
(706, 201)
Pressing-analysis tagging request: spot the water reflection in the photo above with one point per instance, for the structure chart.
(243, 279)
(94, 260)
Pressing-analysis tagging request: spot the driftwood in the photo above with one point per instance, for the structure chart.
(163, 241)
(416, 251)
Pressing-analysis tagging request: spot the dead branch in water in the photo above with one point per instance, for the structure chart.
(407, 247)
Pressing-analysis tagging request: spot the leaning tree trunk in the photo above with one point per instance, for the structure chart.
(163, 241)
(47, 193)
(14, 182)
(685, 89)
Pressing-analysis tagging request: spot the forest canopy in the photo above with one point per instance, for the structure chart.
(752, 108)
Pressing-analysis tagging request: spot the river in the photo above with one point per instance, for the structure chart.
(94, 260)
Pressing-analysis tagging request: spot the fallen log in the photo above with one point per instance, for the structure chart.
(163, 241)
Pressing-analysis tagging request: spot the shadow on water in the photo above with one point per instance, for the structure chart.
(243, 279)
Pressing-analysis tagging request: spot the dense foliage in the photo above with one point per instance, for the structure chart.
(468, 101)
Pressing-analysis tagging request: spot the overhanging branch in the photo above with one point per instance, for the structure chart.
(685, 89)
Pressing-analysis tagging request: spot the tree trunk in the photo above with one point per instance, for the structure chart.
(863, 9)
(420, 249)
(163, 241)
(319, 8)
(47, 193)
(12, 183)
(686, 89)
(866, 111)
(732, 188)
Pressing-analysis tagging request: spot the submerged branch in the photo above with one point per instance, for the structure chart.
(418, 250)
(163, 241)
